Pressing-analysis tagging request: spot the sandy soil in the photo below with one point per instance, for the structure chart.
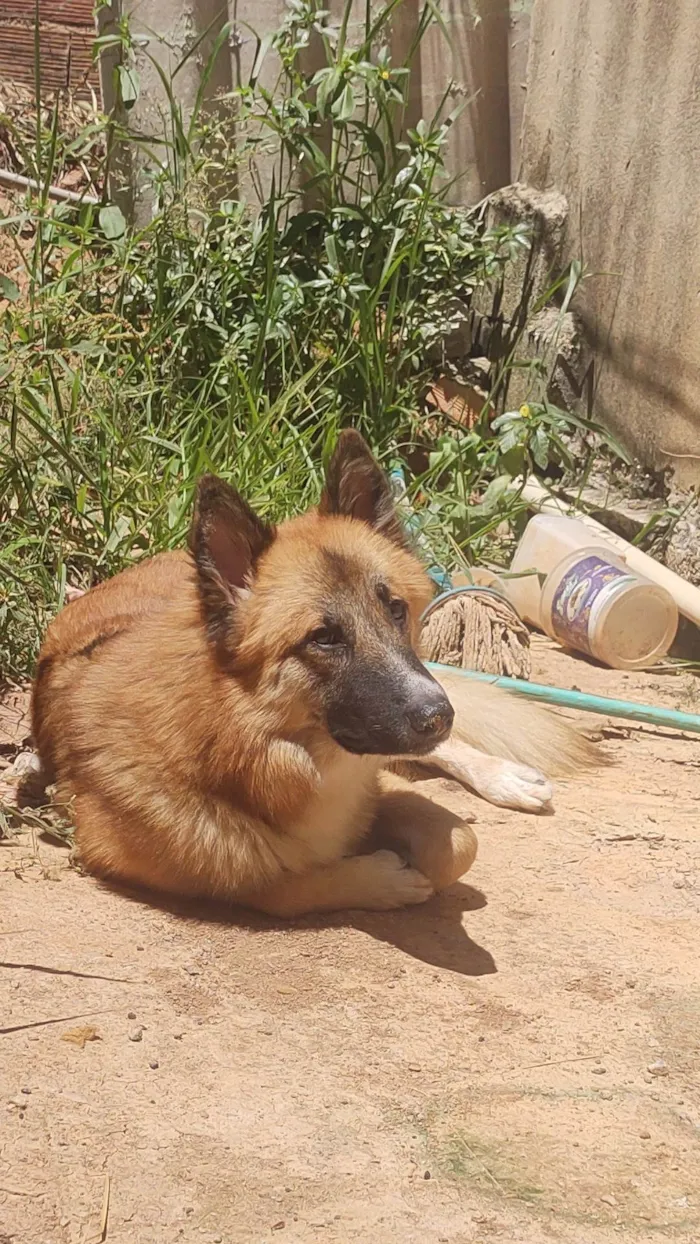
(517, 1060)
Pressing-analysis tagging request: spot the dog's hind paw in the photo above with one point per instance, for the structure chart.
(510, 785)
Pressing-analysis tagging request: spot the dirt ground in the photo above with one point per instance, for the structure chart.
(517, 1060)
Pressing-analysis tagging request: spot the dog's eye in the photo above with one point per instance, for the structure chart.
(327, 637)
(398, 610)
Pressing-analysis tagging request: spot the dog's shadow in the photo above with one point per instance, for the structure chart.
(433, 933)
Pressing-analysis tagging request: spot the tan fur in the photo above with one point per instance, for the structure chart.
(201, 778)
(503, 724)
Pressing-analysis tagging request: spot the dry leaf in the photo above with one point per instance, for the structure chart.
(460, 401)
(79, 1036)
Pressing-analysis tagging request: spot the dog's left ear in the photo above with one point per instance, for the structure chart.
(356, 487)
(226, 540)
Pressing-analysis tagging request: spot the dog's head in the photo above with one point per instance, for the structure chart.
(320, 618)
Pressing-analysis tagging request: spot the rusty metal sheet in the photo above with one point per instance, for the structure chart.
(61, 12)
(67, 33)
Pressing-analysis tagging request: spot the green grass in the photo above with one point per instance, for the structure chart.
(241, 340)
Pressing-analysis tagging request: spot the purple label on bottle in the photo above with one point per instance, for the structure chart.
(575, 597)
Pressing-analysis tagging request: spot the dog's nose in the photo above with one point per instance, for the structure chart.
(432, 717)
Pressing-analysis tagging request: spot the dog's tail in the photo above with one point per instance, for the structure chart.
(504, 724)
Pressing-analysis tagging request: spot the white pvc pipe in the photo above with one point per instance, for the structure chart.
(16, 181)
(686, 595)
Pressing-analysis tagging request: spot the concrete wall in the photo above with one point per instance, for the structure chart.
(170, 29)
(484, 56)
(613, 121)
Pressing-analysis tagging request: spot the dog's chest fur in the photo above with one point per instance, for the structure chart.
(341, 810)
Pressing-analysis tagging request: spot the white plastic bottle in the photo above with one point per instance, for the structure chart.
(585, 596)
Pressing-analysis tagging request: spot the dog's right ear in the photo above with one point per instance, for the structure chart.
(226, 540)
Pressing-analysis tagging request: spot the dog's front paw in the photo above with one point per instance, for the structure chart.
(510, 785)
(389, 882)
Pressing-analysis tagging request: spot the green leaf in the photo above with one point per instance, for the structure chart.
(344, 106)
(119, 533)
(513, 461)
(303, 226)
(540, 447)
(90, 349)
(326, 83)
(494, 493)
(174, 511)
(261, 52)
(112, 222)
(129, 85)
(375, 147)
(331, 250)
(505, 420)
(8, 289)
(510, 438)
(105, 41)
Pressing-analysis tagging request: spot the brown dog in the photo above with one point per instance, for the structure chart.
(223, 719)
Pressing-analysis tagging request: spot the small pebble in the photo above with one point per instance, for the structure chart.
(427, 1175)
(608, 1198)
(136, 1034)
(645, 1135)
(131, 1015)
(656, 1097)
(631, 983)
(658, 1068)
(606, 1095)
(26, 1090)
(218, 1239)
(140, 947)
(598, 1071)
(154, 1064)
